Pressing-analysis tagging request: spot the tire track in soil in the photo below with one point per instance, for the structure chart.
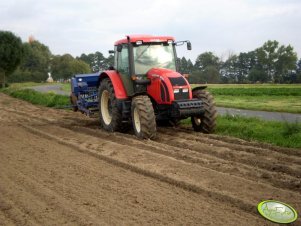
(275, 162)
(140, 170)
(240, 144)
(237, 166)
(205, 160)
(166, 171)
(286, 154)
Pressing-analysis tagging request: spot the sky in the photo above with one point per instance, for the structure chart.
(223, 27)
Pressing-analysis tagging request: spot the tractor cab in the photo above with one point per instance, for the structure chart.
(136, 55)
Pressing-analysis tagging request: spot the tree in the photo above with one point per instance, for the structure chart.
(237, 67)
(97, 61)
(298, 71)
(277, 61)
(196, 77)
(184, 66)
(257, 75)
(267, 57)
(65, 66)
(36, 63)
(286, 62)
(271, 62)
(206, 59)
(229, 70)
(206, 69)
(108, 62)
(11, 53)
(209, 75)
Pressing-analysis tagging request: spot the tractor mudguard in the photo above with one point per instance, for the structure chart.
(201, 87)
(119, 89)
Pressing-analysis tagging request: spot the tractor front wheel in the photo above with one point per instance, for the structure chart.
(143, 117)
(109, 114)
(205, 123)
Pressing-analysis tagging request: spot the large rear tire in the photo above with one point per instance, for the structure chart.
(109, 114)
(143, 117)
(205, 123)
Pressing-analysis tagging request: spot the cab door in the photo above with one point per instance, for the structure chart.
(123, 68)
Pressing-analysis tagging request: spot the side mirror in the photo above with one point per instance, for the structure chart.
(111, 51)
(188, 45)
(119, 48)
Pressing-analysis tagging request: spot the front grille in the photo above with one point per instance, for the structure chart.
(178, 81)
(186, 108)
(181, 95)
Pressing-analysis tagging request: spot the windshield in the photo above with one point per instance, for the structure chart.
(156, 55)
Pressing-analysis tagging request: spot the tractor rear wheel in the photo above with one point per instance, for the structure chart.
(109, 114)
(143, 117)
(205, 123)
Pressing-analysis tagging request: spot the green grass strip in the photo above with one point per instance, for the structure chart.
(256, 91)
(291, 104)
(282, 134)
(34, 97)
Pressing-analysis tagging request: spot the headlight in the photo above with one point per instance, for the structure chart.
(185, 90)
(176, 90)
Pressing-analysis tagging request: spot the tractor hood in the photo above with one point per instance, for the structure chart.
(167, 74)
(167, 86)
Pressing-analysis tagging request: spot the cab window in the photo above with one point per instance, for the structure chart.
(123, 60)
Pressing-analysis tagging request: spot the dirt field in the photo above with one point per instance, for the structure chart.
(59, 168)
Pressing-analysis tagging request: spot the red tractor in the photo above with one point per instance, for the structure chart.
(144, 88)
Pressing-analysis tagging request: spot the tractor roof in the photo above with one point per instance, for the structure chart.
(144, 38)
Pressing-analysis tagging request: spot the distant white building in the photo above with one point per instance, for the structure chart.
(49, 79)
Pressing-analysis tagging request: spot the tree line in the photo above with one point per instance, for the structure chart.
(271, 62)
(32, 61)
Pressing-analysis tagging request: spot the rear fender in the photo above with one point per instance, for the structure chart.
(119, 89)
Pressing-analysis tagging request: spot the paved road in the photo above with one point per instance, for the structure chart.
(50, 88)
(271, 116)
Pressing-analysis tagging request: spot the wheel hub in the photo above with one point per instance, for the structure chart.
(106, 108)
(137, 120)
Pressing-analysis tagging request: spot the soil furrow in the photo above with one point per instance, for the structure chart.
(274, 163)
(242, 145)
(205, 160)
(216, 186)
(226, 153)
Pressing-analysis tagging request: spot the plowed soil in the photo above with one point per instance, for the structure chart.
(58, 167)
